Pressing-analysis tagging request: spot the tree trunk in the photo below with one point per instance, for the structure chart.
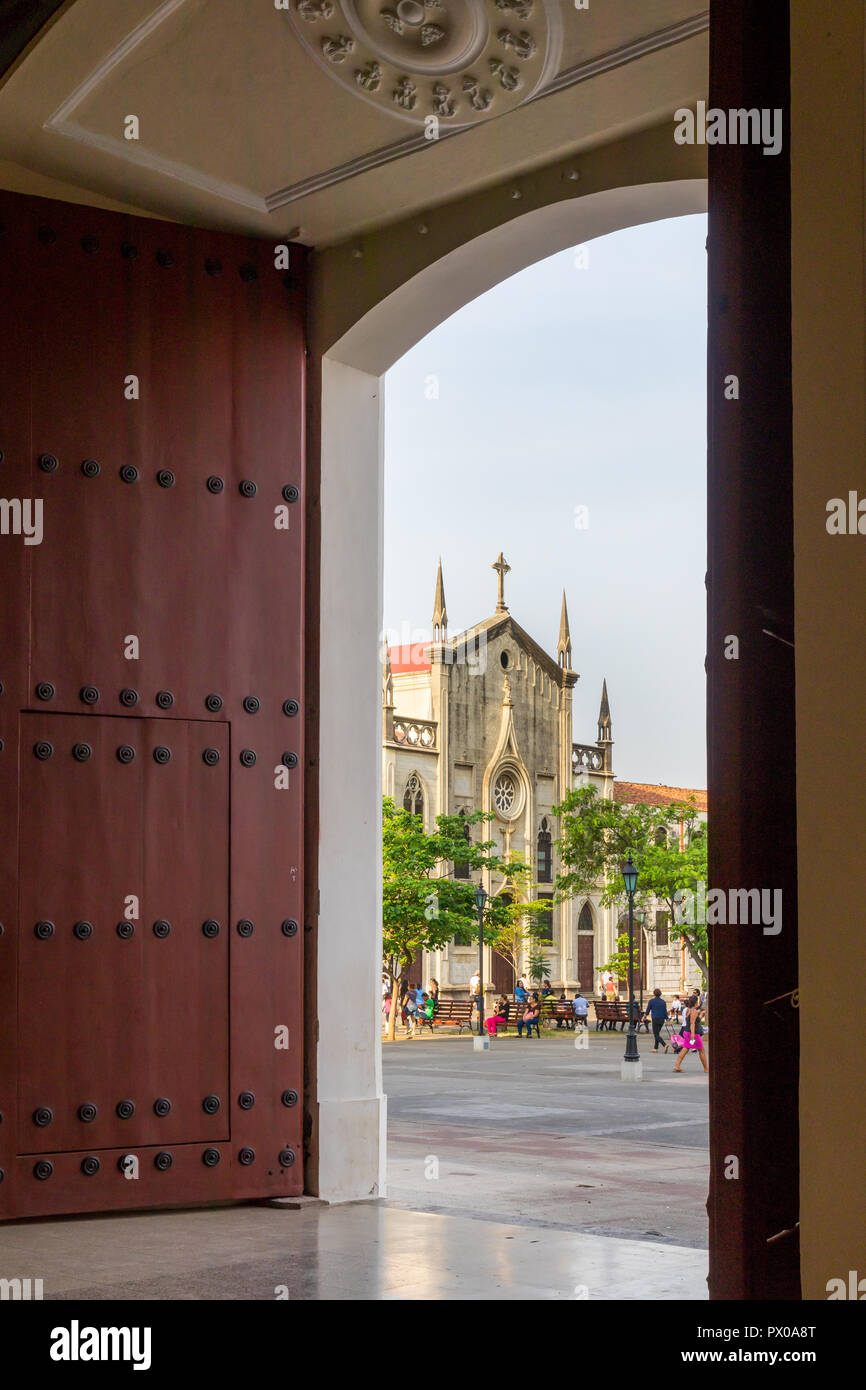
(699, 960)
(392, 1017)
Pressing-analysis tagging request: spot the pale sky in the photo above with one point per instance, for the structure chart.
(569, 386)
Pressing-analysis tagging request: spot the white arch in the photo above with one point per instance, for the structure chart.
(349, 1056)
(398, 322)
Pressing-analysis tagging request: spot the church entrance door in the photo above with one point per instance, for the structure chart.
(502, 975)
(586, 962)
(151, 854)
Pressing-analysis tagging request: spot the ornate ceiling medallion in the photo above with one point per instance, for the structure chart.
(461, 61)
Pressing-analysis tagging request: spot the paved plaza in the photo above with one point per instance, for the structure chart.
(541, 1133)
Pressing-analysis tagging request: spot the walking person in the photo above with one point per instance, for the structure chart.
(410, 1011)
(657, 1010)
(692, 1034)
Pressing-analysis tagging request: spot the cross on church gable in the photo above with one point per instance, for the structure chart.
(502, 568)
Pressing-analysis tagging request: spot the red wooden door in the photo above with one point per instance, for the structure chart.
(151, 713)
(503, 974)
(586, 962)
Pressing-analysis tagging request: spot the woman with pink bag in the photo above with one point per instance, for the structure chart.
(692, 1034)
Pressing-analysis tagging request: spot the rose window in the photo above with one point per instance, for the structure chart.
(504, 793)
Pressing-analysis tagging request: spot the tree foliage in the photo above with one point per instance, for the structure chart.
(618, 962)
(516, 921)
(597, 835)
(423, 907)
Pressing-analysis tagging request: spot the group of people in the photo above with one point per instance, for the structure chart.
(687, 1016)
(415, 1004)
(533, 1005)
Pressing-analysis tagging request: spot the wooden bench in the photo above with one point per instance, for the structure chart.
(450, 1013)
(515, 1016)
(608, 1014)
(562, 1011)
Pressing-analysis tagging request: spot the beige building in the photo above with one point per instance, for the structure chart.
(664, 963)
(483, 721)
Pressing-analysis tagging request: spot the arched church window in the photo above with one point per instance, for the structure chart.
(504, 792)
(544, 855)
(413, 796)
(584, 921)
(461, 867)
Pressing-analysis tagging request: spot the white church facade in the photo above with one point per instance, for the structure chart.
(483, 721)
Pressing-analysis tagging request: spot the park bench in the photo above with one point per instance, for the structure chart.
(515, 1014)
(608, 1015)
(450, 1013)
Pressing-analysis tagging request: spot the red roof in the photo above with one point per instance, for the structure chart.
(412, 658)
(648, 794)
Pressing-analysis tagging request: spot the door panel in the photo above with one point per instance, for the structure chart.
(80, 998)
(503, 975)
(586, 962)
(163, 609)
(185, 981)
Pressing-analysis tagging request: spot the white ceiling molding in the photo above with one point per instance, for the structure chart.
(581, 72)
(62, 121)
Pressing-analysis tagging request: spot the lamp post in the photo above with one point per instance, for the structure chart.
(631, 1064)
(480, 900)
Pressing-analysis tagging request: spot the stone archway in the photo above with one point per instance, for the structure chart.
(346, 443)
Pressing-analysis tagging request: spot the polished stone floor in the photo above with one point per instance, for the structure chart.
(364, 1251)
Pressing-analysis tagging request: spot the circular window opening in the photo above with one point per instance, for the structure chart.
(503, 660)
(504, 792)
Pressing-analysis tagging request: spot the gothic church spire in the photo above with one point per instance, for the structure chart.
(440, 613)
(604, 723)
(563, 650)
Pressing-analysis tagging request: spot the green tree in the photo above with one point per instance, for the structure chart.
(597, 835)
(516, 921)
(422, 906)
(538, 966)
(618, 962)
(667, 871)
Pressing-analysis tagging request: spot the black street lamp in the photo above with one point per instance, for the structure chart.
(480, 900)
(629, 874)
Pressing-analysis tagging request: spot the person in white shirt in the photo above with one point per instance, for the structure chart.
(474, 985)
(581, 1009)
